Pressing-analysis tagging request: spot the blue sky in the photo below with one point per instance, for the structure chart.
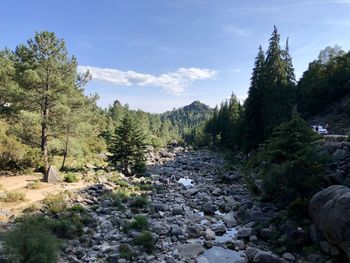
(160, 54)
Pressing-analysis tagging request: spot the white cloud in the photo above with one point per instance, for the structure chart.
(237, 70)
(172, 82)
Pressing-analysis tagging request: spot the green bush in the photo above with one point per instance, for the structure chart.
(71, 177)
(55, 203)
(77, 208)
(292, 166)
(12, 196)
(66, 226)
(146, 240)
(15, 155)
(125, 252)
(139, 202)
(31, 241)
(33, 185)
(139, 223)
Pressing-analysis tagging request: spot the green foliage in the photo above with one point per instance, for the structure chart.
(31, 241)
(146, 240)
(292, 166)
(125, 252)
(33, 185)
(128, 148)
(224, 125)
(253, 125)
(55, 203)
(139, 202)
(139, 223)
(66, 226)
(77, 208)
(324, 82)
(71, 177)
(12, 197)
(15, 155)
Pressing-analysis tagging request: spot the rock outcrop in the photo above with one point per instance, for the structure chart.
(330, 211)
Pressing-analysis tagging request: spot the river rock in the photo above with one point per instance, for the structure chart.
(230, 220)
(244, 232)
(209, 208)
(219, 229)
(177, 210)
(265, 257)
(330, 211)
(209, 234)
(194, 231)
(190, 250)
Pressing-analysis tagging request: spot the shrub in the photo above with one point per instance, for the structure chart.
(31, 241)
(139, 223)
(292, 166)
(55, 203)
(15, 155)
(125, 252)
(140, 201)
(71, 177)
(146, 240)
(33, 185)
(77, 208)
(12, 196)
(66, 226)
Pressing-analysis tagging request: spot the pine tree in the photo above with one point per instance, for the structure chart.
(277, 94)
(47, 76)
(253, 126)
(127, 147)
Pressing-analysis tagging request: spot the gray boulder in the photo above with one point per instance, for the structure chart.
(190, 250)
(265, 257)
(330, 211)
(52, 176)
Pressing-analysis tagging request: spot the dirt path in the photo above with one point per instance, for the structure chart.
(19, 184)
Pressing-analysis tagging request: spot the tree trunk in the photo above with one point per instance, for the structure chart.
(44, 151)
(65, 153)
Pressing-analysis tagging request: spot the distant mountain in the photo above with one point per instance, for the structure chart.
(186, 118)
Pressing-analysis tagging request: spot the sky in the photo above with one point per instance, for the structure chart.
(157, 55)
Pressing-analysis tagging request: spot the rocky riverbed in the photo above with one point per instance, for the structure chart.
(199, 212)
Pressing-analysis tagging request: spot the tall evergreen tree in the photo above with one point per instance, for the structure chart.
(277, 99)
(128, 147)
(47, 75)
(253, 126)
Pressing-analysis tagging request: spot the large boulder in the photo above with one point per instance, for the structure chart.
(330, 211)
(52, 176)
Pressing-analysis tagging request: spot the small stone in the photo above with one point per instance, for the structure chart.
(244, 232)
(219, 229)
(230, 220)
(209, 208)
(209, 234)
(177, 210)
(288, 256)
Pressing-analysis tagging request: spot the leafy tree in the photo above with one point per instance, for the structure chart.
(47, 76)
(128, 147)
(324, 82)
